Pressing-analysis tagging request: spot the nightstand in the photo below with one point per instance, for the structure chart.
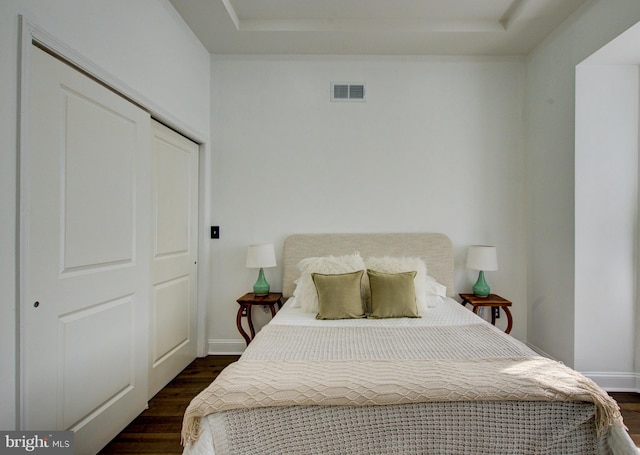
(247, 302)
(494, 301)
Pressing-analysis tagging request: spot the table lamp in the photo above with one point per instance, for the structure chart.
(483, 258)
(260, 256)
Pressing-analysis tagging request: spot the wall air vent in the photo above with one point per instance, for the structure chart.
(347, 92)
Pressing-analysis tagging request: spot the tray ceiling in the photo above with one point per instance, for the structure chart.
(400, 27)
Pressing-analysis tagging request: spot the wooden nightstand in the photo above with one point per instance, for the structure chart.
(494, 301)
(247, 302)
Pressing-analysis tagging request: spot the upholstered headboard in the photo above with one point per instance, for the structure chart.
(435, 249)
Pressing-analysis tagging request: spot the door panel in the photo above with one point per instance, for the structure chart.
(106, 328)
(85, 341)
(99, 173)
(174, 258)
(173, 179)
(171, 317)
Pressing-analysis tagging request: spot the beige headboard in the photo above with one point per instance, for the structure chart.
(435, 249)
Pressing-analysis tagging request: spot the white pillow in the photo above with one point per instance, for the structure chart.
(305, 291)
(435, 288)
(292, 302)
(388, 264)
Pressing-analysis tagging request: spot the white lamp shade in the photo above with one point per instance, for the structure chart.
(482, 257)
(261, 255)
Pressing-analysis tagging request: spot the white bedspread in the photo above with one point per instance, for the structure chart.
(454, 334)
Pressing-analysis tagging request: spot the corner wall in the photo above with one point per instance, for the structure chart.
(550, 163)
(606, 202)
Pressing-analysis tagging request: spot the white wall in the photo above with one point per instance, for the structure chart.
(437, 146)
(550, 163)
(146, 45)
(606, 201)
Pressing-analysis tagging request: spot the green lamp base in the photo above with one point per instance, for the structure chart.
(481, 288)
(262, 286)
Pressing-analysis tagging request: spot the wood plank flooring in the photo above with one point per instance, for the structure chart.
(157, 430)
(630, 407)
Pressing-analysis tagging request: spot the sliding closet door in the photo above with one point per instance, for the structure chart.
(174, 255)
(86, 270)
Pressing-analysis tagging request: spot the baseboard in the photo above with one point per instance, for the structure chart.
(615, 382)
(226, 347)
(611, 382)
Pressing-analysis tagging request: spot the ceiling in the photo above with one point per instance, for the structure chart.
(380, 27)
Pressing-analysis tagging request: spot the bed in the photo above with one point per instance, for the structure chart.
(392, 376)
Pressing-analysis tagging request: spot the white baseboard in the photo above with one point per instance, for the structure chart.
(609, 381)
(615, 382)
(226, 347)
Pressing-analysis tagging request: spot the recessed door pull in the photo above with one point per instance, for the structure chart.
(36, 304)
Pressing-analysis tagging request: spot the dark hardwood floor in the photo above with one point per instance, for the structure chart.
(630, 406)
(157, 430)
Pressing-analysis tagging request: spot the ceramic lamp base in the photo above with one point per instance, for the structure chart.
(262, 286)
(481, 288)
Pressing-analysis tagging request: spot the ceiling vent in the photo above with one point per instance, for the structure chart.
(347, 92)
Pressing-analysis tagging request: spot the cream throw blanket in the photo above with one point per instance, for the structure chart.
(256, 383)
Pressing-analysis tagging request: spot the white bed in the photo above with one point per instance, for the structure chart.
(445, 382)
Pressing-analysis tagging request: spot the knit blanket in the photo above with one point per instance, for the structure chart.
(277, 342)
(259, 383)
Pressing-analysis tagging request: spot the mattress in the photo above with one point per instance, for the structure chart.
(446, 344)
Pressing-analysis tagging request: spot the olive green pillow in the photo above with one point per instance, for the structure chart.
(339, 295)
(393, 295)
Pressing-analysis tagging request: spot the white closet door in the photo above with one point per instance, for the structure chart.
(86, 282)
(174, 230)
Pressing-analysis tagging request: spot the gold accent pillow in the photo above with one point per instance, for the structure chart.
(339, 295)
(393, 295)
(399, 264)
